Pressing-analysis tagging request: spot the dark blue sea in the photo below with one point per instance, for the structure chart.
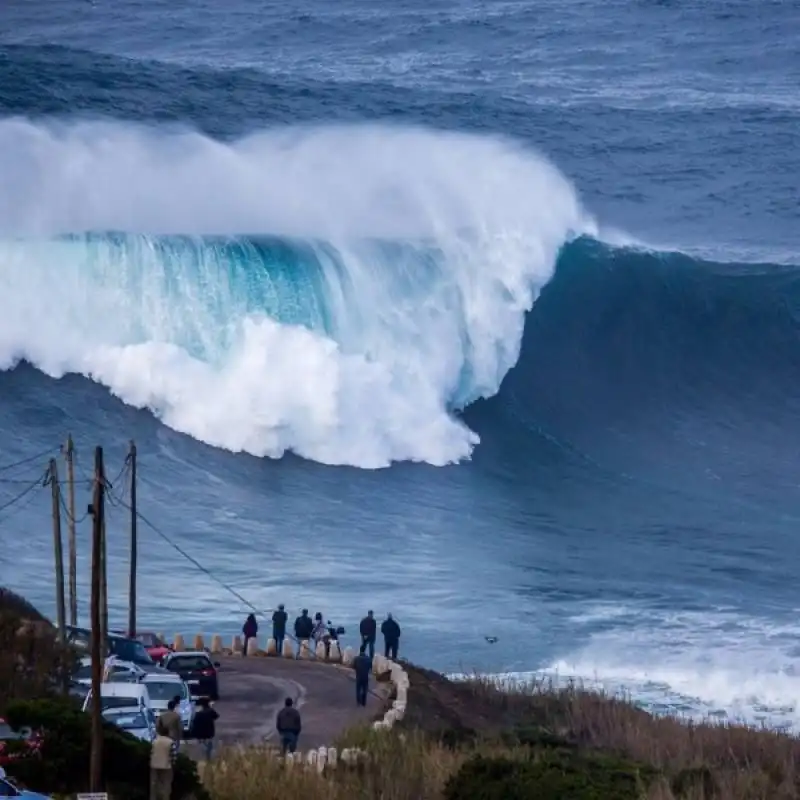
(483, 313)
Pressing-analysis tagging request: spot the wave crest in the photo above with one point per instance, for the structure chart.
(390, 289)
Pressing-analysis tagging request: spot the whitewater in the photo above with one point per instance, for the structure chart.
(391, 290)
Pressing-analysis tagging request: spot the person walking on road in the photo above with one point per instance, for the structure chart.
(162, 760)
(362, 664)
(369, 630)
(289, 725)
(391, 637)
(204, 728)
(249, 630)
(279, 619)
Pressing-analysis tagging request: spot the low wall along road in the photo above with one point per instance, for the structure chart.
(253, 689)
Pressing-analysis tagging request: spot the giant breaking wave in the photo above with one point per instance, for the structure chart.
(340, 292)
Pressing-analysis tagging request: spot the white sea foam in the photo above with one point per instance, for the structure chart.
(369, 378)
(720, 665)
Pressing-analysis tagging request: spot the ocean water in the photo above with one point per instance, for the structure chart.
(485, 314)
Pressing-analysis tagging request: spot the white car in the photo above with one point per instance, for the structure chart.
(121, 695)
(165, 687)
(139, 722)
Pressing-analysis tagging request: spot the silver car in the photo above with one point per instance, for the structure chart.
(166, 687)
(137, 721)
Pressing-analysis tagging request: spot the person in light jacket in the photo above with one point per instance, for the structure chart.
(162, 759)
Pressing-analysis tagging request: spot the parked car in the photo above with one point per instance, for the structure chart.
(139, 722)
(10, 789)
(121, 695)
(122, 647)
(163, 688)
(156, 649)
(198, 670)
(17, 744)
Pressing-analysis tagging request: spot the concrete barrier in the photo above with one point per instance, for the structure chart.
(348, 657)
(335, 653)
(216, 644)
(305, 649)
(288, 649)
(199, 644)
(272, 647)
(321, 653)
(178, 644)
(236, 646)
(252, 646)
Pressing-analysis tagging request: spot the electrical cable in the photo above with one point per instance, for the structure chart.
(23, 461)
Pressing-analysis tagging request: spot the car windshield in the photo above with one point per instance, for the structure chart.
(127, 720)
(129, 650)
(114, 702)
(166, 690)
(189, 663)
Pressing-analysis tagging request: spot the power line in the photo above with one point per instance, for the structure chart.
(22, 462)
(40, 481)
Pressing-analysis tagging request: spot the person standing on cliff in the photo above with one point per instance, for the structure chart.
(391, 637)
(362, 664)
(249, 630)
(369, 630)
(303, 628)
(279, 619)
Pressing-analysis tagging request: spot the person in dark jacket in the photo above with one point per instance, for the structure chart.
(362, 664)
(289, 726)
(204, 728)
(303, 626)
(391, 637)
(369, 630)
(249, 630)
(279, 619)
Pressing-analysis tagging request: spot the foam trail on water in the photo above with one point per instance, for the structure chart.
(394, 291)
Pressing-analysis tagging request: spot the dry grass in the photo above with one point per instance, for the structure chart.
(451, 722)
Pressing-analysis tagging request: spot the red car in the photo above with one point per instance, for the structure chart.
(156, 649)
(17, 744)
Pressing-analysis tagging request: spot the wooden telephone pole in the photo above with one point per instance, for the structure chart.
(59, 553)
(134, 546)
(73, 558)
(97, 651)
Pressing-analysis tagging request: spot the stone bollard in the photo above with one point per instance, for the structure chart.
(311, 758)
(348, 657)
(335, 653)
(333, 755)
(237, 645)
(178, 643)
(288, 649)
(305, 650)
(216, 644)
(377, 665)
(272, 647)
(320, 652)
(252, 645)
(199, 644)
(322, 759)
(289, 760)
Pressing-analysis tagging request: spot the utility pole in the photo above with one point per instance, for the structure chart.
(73, 558)
(59, 553)
(134, 547)
(103, 587)
(98, 517)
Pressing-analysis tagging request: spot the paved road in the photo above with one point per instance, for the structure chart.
(253, 689)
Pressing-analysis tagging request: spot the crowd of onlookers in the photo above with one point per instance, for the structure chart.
(318, 630)
(288, 723)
